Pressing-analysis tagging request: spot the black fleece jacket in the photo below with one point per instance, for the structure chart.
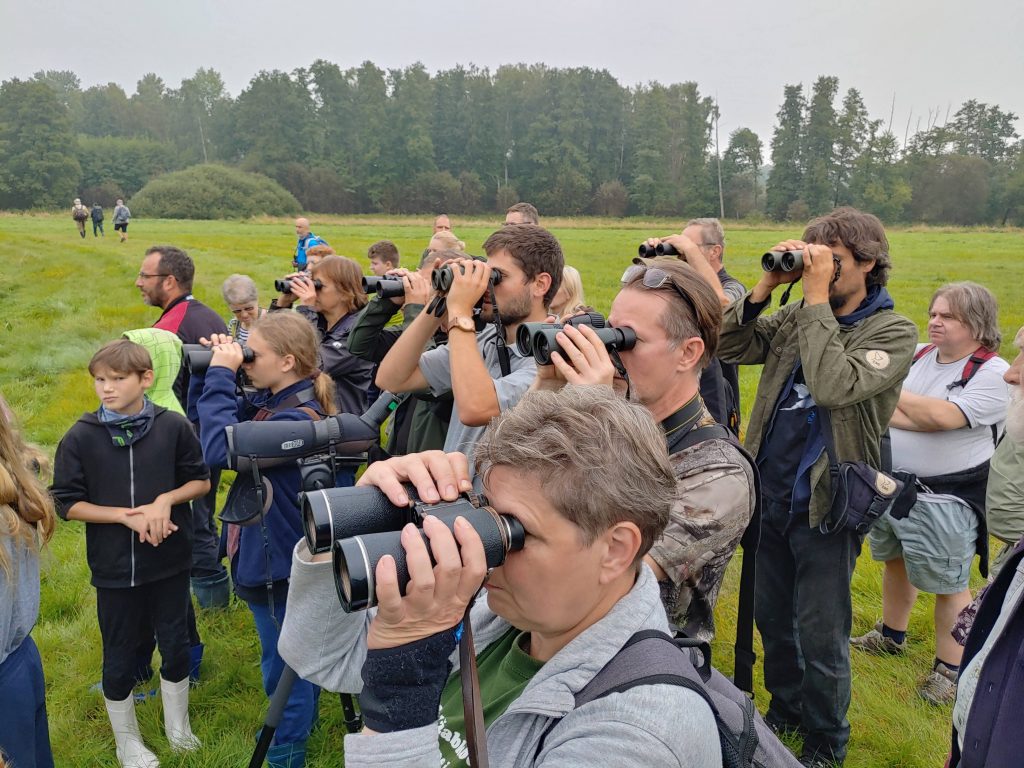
(89, 467)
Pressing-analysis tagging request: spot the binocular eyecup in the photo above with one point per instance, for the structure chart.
(661, 249)
(197, 357)
(284, 285)
(782, 261)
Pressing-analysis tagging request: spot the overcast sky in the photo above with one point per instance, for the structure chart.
(930, 54)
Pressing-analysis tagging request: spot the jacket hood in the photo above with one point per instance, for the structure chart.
(164, 348)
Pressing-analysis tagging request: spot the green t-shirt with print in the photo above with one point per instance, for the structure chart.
(504, 669)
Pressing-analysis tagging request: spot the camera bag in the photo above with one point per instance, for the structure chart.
(860, 493)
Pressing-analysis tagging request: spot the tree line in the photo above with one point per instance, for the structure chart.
(470, 140)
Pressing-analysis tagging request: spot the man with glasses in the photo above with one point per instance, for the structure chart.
(702, 245)
(676, 317)
(842, 348)
(165, 280)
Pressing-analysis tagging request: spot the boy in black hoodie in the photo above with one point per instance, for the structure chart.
(129, 470)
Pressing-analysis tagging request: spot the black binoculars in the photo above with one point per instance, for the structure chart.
(197, 357)
(284, 285)
(385, 287)
(782, 261)
(361, 525)
(661, 249)
(442, 278)
(540, 339)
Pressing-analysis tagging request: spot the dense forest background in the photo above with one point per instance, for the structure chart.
(471, 141)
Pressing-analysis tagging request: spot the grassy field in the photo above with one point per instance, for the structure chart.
(61, 297)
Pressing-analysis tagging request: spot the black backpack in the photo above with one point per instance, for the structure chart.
(651, 657)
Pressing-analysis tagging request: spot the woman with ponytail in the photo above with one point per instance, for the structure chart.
(290, 387)
(27, 520)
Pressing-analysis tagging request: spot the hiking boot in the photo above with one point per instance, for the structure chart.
(875, 642)
(940, 686)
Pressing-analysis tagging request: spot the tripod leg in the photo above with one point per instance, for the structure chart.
(353, 722)
(273, 718)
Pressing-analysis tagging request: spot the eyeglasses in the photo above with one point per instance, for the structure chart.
(655, 278)
(144, 275)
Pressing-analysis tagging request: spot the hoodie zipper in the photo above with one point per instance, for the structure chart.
(131, 484)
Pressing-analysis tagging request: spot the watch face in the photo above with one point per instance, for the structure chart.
(465, 324)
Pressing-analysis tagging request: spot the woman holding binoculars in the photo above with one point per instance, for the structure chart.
(332, 309)
(290, 387)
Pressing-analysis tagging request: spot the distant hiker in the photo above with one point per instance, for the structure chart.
(121, 218)
(97, 219)
(80, 214)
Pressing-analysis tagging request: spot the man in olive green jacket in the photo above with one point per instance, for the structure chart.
(844, 349)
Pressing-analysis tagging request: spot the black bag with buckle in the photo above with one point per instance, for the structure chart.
(860, 493)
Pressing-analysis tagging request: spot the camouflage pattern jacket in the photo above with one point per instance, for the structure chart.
(715, 500)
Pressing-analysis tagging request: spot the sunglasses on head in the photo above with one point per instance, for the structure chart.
(656, 278)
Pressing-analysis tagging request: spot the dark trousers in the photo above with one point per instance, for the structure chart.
(24, 730)
(97, 225)
(129, 617)
(206, 542)
(803, 612)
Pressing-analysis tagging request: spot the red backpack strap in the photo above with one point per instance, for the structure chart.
(922, 352)
(978, 358)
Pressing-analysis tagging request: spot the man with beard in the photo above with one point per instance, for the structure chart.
(1004, 498)
(842, 351)
(483, 370)
(986, 723)
(165, 280)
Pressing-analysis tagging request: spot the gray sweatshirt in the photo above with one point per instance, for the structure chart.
(19, 601)
(651, 725)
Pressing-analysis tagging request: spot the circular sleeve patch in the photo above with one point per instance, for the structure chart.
(877, 359)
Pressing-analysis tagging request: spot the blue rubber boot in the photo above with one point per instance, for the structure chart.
(195, 660)
(287, 755)
(212, 591)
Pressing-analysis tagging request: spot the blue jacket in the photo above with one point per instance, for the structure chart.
(305, 243)
(218, 408)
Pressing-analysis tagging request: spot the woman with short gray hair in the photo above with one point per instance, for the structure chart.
(242, 298)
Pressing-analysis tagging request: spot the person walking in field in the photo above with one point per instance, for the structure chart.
(121, 218)
(97, 219)
(81, 215)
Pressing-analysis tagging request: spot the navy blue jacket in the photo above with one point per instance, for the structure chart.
(994, 738)
(218, 408)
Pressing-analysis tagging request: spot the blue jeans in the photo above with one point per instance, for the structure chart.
(24, 732)
(803, 611)
(300, 711)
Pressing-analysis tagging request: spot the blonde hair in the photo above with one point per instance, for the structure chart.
(574, 286)
(26, 509)
(288, 333)
(447, 241)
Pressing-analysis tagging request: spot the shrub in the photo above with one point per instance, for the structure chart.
(213, 192)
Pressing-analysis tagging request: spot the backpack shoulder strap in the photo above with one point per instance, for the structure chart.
(922, 352)
(978, 358)
(744, 656)
(651, 657)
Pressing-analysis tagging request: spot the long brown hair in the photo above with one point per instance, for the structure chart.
(346, 276)
(26, 509)
(288, 333)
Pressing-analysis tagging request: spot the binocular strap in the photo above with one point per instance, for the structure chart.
(472, 707)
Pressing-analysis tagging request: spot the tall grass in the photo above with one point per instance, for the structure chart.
(61, 297)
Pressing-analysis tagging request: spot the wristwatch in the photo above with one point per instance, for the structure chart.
(461, 323)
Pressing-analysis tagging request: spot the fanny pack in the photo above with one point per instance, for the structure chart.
(860, 493)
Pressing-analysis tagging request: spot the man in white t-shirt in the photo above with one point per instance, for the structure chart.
(944, 431)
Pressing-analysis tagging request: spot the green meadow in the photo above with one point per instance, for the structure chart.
(61, 297)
